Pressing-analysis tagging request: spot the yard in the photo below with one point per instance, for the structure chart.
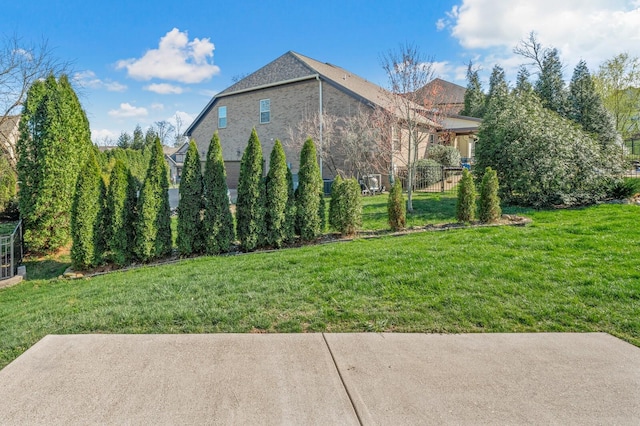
(570, 270)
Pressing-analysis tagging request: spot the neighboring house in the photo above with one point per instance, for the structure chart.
(274, 99)
(458, 131)
(9, 134)
(175, 160)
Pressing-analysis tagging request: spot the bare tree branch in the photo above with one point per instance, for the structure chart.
(533, 50)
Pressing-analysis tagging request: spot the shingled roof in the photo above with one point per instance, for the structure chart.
(292, 67)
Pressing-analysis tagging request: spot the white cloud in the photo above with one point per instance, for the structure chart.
(593, 30)
(157, 106)
(164, 89)
(186, 118)
(103, 136)
(127, 110)
(175, 59)
(89, 79)
(441, 69)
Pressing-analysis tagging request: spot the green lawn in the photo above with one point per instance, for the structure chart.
(571, 270)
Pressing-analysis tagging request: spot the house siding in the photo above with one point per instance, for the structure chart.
(290, 103)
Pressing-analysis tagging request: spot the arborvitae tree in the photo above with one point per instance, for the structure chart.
(277, 198)
(322, 209)
(334, 203)
(150, 137)
(498, 87)
(309, 192)
(489, 200)
(124, 140)
(550, 85)
(153, 225)
(346, 206)
(218, 222)
(466, 204)
(53, 145)
(396, 207)
(189, 238)
(290, 212)
(138, 138)
(85, 215)
(474, 97)
(250, 203)
(120, 214)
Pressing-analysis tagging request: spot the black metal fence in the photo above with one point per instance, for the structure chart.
(432, 178)
(11, 252)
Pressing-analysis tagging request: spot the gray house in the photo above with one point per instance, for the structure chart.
(275, 98)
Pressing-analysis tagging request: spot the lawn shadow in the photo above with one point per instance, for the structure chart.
(45, 269)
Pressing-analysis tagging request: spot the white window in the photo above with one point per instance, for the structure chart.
(222, 117)
(265, 111)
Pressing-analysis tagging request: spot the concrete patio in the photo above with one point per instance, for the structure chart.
(393, 379)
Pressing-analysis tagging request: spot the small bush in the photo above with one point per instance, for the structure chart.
(448, 156)
(428, 172)
(190, 235)
(466, 205)
(345, 208)
(489, 200)
(396, 207)
(624, 188)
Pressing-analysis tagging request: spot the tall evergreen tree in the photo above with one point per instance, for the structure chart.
(498, 87)
(53, 145)
(120, 214)
(309, 193)
(85, 215)
(523, 85)
(138, 138)
(290, 212)
(277, 198)
(218, 229)
(153, 224)
(587, 109)
(250, 203)
(550, 86)
(189, 238)
(474, 97)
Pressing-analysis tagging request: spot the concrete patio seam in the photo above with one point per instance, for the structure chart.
(344, 385)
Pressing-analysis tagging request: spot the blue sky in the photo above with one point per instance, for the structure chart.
(140, 62)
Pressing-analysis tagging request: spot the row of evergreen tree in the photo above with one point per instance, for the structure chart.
(122, 222)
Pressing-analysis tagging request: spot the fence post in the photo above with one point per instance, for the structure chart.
(13, 270)
(443, 177)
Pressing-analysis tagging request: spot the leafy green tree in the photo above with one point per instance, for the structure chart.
(85, 215)
(277, 198)
(309, 193)
(137, 161)
(189, 238)
(153, 225)
(8, 183)
(396, 208)
(218, 222)
(250, 203)
(618, 82)
(489, 201)
(474, 97)
(150, 137)
(466, 204)
(120, 214)
(550, 86)
(54, 144)
(447, 156)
